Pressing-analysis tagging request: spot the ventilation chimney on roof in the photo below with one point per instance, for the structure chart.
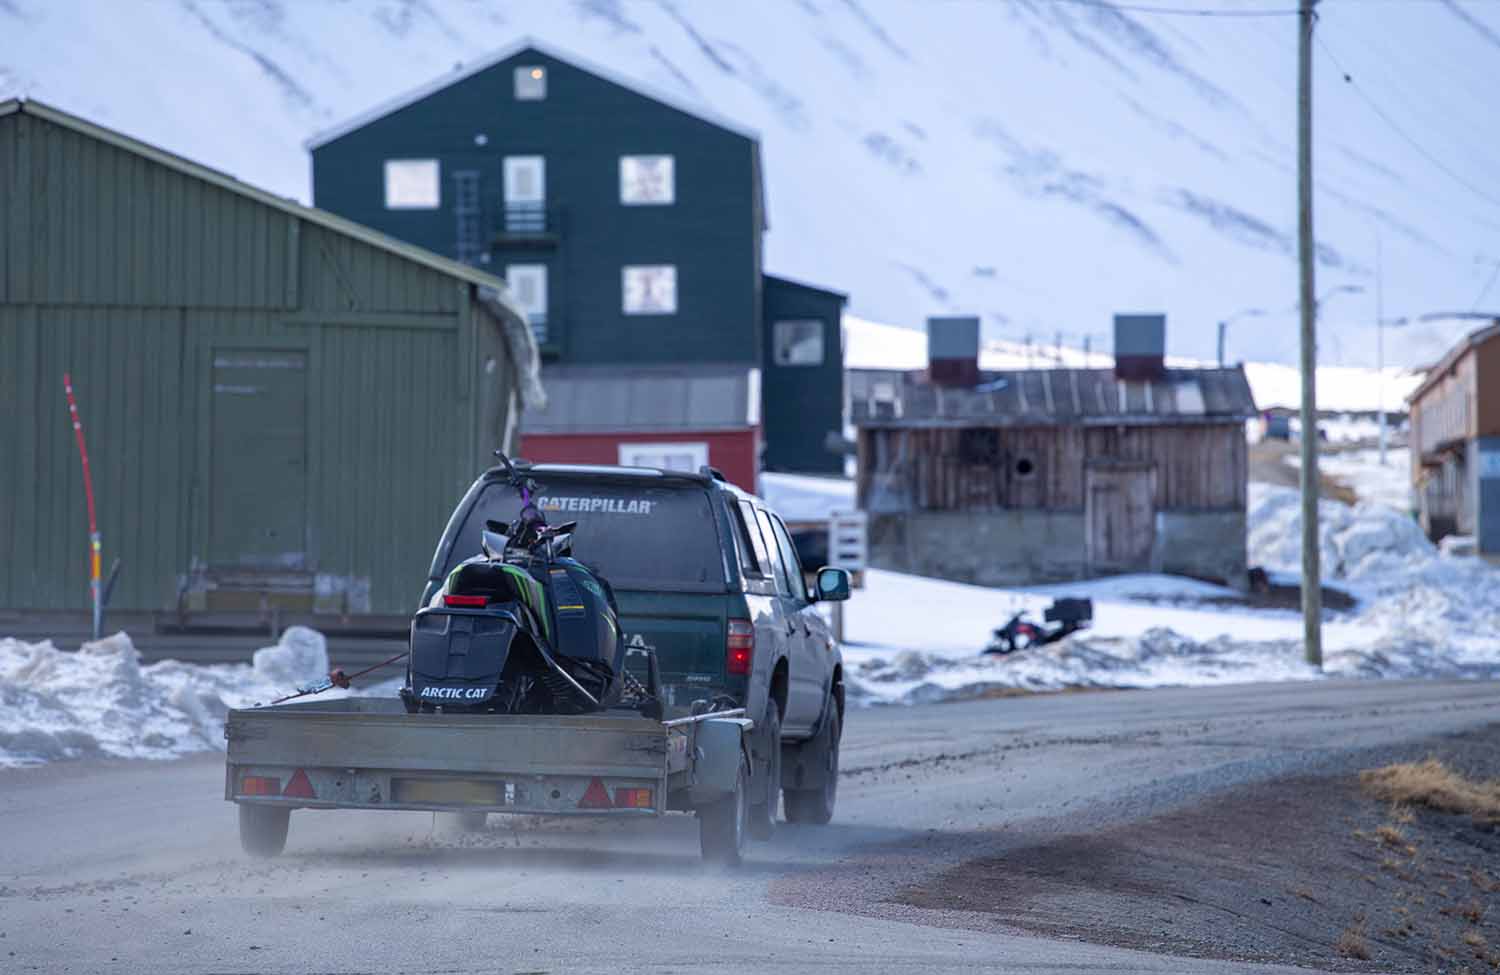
(1140, 346)
(953, 351)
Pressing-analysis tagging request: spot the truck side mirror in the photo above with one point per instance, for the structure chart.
(833, 585)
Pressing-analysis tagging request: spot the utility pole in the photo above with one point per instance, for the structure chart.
(1380, 345)
(1312, 591)
(1087, 361)
(1058, 347)
(1223, 327)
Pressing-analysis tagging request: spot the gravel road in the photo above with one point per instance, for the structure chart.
(130, 867)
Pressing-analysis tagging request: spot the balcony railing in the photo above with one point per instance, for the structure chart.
(533, 224)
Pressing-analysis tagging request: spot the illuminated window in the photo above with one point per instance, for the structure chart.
(531, 83)
(650, 289)
(647, 180)
(797, 343)
(412, 184)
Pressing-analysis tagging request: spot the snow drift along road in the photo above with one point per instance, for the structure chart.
(101, 701)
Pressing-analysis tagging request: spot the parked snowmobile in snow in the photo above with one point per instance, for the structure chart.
(521, 628)
(1066, 616)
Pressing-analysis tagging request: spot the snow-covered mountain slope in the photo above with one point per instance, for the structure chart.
(1040, 162)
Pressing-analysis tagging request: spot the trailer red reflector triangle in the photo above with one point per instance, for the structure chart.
(596, 796)
(299, 787)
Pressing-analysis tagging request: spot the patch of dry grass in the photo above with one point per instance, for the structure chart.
(1352, 943)
(1431, 783)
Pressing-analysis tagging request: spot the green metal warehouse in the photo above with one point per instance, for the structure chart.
(281, 406)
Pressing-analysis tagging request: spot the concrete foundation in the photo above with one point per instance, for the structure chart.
(1024, 547)
(1204, 544)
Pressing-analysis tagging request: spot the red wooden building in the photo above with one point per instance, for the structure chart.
(677, 417)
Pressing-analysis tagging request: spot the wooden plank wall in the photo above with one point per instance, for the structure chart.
(1201, 467)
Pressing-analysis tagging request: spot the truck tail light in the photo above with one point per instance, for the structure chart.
(633, 799)
(739, 647)
(260, 785)
(476, 602)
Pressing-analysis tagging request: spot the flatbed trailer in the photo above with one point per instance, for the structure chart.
(369, 753)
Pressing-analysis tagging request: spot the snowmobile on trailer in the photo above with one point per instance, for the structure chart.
(523, 628)
(520, 697)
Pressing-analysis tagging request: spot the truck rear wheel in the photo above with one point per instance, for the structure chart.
(722, 825)
(815, 806)
(263, 829)
(767, 786)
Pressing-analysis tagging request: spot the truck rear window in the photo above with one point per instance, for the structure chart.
(638, 535)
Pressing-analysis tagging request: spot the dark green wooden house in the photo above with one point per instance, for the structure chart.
(281, 406)
(628, 225)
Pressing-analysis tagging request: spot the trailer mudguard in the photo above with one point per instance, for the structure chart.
(721, 743)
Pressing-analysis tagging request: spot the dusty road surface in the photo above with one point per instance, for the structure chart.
(135, 867)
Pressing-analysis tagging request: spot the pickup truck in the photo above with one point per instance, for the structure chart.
(707, 580)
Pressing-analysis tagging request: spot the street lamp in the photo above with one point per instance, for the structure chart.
(1224, 326)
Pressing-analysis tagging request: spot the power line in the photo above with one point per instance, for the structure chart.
(1422, 150)
(1487, 286)
(1181, 11)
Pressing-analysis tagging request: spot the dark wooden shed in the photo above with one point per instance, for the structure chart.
(1051, 474)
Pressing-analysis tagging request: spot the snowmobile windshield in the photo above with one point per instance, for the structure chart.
(638, 535)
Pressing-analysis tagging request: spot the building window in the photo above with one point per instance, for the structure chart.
(412, 184)
(531, 83)
(647, 180)
(528, 286)
(525, 184)
(668, 456)
(650, 289)
(797, 343)
(978, 446)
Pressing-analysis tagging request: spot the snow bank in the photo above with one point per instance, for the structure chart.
(102, 701)
(1419, 614)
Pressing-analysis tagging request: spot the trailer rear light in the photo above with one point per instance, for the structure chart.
(478, 602)
(260, 785)
(739, 647)
(299, 786)
(633, 799)
(596, 796)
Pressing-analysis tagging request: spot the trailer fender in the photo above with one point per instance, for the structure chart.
(721, 743)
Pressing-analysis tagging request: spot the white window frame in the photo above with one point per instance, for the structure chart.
(668, 307)
(637, 454)
(401, 189)
(776, 347)
(538, 273)
(526, 85)
(512, 167)
(667, 164)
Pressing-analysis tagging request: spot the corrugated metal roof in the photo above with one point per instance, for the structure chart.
(1048, 397)
(647, 399)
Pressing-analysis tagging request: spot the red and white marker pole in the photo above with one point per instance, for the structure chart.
(95, 542)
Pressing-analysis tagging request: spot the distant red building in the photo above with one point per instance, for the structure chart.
(676, 417)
